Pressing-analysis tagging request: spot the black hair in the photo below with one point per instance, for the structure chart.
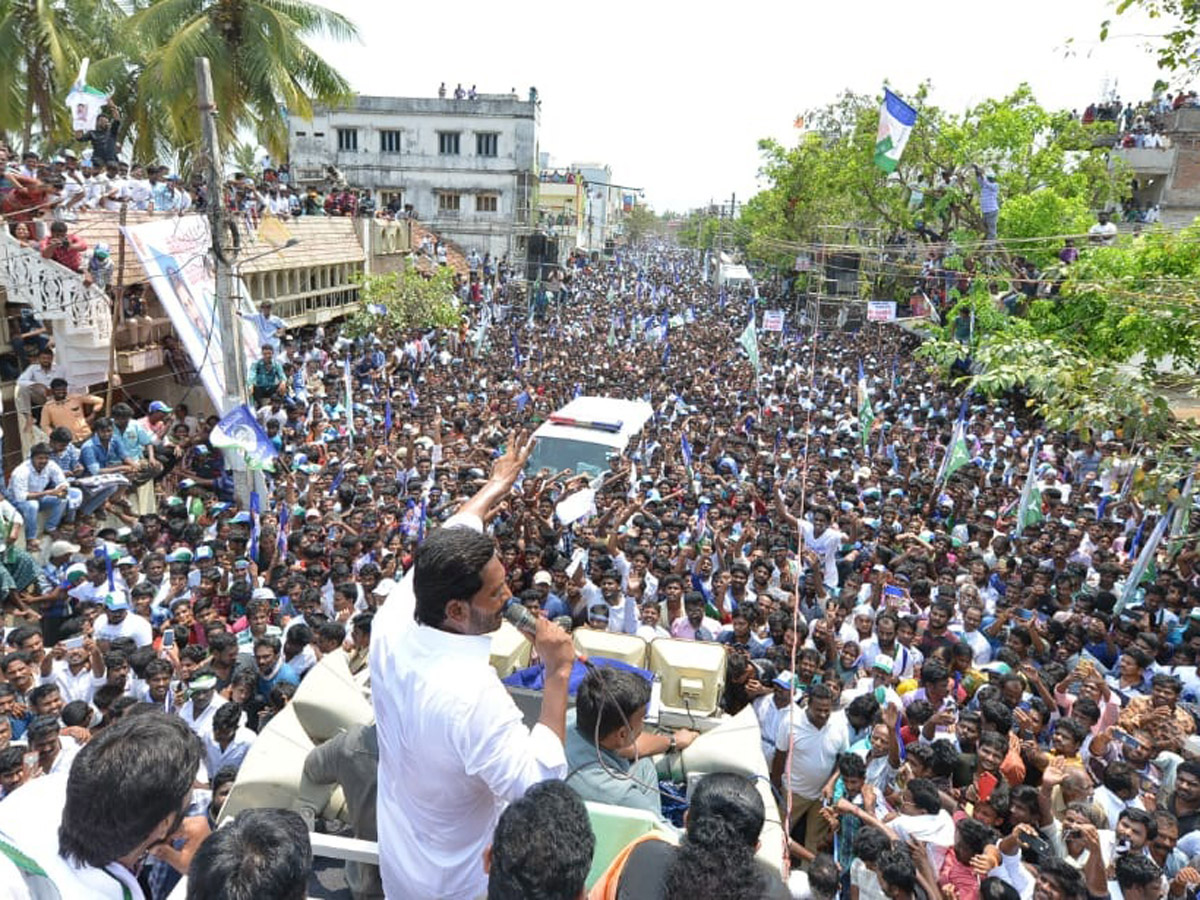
(1136, 870)
(77, 713)
(11, 759)
(925, 795)
(542, 847)
(1118, 777)
(864, 708)
(228, 715)
(42, 726)
(851, 765)
(974, 835)
(995, 713)
(124, 782)
(449, 566)
(41, 692)
(869, 843)
(224, 775)
(261, 853)
(896, 869)
(823, 877)
(608, 698)
(716, 856)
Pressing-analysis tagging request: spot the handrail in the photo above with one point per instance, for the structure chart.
(55, 292)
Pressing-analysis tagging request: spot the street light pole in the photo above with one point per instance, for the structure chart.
(224, 261)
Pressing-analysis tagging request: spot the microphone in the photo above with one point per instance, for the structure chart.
(526, 623)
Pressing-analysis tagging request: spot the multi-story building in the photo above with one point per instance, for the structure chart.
(466, 167)
(602, 217)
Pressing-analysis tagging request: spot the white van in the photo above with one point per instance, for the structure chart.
(583, 434)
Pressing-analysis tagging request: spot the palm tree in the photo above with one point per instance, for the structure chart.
(262, 68)
(42, 44)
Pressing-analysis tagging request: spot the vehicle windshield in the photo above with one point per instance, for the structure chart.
(581, 457)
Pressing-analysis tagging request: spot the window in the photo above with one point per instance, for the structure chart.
(486, 203)
(448, 202)
(318, 134)
(301, 133)
(487, 143)
(347, 140)
(448, 143)
(393, 200)
(389, 141)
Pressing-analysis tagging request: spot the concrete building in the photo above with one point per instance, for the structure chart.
(602, 216)
(466, 167)
(1168, 177)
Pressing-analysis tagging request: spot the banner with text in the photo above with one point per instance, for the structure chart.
(176, 255)
(881, 310)
(773, 320)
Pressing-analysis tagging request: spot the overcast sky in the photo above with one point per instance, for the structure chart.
(675, 98)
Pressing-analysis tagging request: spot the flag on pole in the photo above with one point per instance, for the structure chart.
(1029, 510)
(516, 351)
(957, 454)
(896, 120)
(612, 332)
(633, 481)
(413, 400)
(255, 529)
(281, 540)
(749, 342)
(387, 417)
(666, 357)
(349, 401)
(866, 415)
(1183, 517)
(1144, 560)
(238, 428)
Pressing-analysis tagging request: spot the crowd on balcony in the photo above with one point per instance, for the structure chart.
(560, 176)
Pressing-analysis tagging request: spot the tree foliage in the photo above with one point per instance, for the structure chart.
(640, 222)
(262, 66)
(828, 187)
(408, 300)
(1176, 48)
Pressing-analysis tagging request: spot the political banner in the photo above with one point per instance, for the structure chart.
(773, 320)
(175, 253)
(881, 310)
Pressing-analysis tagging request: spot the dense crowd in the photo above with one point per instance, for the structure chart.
(947, 707)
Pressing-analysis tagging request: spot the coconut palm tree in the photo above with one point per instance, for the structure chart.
(42, 43)
(262, 68)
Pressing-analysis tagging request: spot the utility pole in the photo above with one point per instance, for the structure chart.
(223, 262)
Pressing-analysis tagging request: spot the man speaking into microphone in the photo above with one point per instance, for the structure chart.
(453, 751)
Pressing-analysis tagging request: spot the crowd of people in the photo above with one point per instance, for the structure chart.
(949, 706)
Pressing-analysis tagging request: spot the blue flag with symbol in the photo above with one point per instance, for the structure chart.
(239, 429)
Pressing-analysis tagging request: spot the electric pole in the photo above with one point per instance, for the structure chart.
(224, 256)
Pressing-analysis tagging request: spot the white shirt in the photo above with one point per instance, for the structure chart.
(453, 753)
(132, 625)
(202, 724)
(814, 751)
(231, 755)
(935, 831)
(81, 686)
(29, 820)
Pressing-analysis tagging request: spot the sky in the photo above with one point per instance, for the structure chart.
(675, 98)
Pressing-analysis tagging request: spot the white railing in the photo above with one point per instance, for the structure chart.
(55, 293)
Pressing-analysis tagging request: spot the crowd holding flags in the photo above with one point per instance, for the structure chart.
(957, 454)
(866, 415)
(1145, 559)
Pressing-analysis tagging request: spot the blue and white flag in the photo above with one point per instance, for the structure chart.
(1144, 560)
(349, 400)
(412, 396)
(238, 428)
(255, 530)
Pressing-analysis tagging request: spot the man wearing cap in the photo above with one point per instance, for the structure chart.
(202, 703)
(39, 484)
(71, 411)
(117, 622)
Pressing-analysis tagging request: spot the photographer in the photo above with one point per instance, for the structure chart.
(65, 249)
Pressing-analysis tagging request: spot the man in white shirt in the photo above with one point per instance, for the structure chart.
(453, 750)
(1103, 232)
(202, 705)
(118, 622)
(229, 741)
(814, 739)
(83, 833)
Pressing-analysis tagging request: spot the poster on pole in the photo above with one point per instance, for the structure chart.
(176, 255)
(881, 310)
(773, 320)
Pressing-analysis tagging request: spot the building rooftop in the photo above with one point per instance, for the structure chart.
(483, 105)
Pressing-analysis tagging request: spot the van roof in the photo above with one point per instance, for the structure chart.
(616, 420)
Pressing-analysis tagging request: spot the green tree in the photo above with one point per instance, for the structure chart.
(42, 45)
(640, 222)
(262, 68)
(827, 187)
(1176, 48)
(409, 300)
